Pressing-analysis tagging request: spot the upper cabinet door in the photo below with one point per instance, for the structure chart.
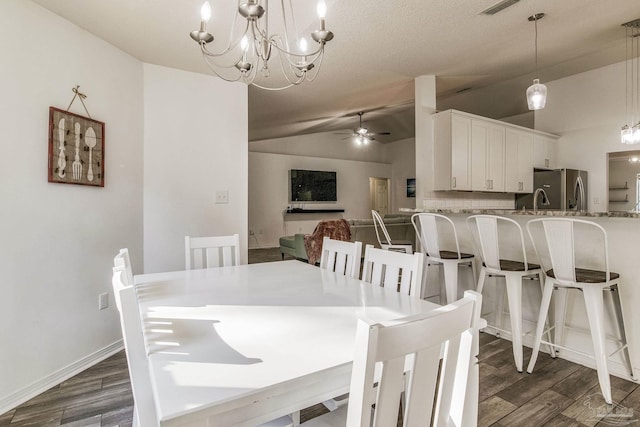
(544, 152)
(519, 161)
(487, 156)
(460, 153)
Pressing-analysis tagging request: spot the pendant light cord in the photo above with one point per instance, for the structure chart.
(535, 24)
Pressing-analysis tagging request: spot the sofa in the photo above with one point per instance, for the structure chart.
(398, 225)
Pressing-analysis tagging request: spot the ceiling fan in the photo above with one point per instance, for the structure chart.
(361, 134)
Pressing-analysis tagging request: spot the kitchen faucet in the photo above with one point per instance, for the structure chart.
(545, 198)
(579, 194)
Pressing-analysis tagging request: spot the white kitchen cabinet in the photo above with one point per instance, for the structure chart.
(452, 152)
(487, 156)
(544, 152)
(519, 161)
(474, 153)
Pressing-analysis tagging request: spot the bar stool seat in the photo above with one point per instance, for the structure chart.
(510, 265)
(454, 255)
(490, 244)
(588, 276)
(559, 236)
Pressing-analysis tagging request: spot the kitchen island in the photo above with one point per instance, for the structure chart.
(623, 232)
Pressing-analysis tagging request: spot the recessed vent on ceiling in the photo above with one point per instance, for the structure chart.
(499, 6)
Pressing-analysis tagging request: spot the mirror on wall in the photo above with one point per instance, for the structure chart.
(624, 178)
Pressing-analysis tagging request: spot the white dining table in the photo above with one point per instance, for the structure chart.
(238, 346)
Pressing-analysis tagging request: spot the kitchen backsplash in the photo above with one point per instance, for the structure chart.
(462, 200)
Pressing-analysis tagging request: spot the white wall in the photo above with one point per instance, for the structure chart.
(195, 143)
(269, 197)
(58, 241)
(587, 110)
(402, 155)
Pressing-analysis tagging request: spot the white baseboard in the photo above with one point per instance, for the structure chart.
(32, 390)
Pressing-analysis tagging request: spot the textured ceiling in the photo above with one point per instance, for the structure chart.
(379, 48)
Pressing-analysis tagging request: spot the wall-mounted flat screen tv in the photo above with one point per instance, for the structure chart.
(312, 186)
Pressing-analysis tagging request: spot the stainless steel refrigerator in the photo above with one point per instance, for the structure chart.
(564, 189)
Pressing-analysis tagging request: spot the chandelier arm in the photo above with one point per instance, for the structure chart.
(286, 27)
(299, 74)
(317, 68)
(212, 67)
(229, 48)
(274, 42)
(272, 88)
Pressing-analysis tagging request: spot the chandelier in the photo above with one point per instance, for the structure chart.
(537, 92)
(252, 51)
(630, 133)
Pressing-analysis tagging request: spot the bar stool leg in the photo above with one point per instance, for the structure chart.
(542, 317)
(451, 280)
(483, 275)
(594, 302)
(615, 296)
(499, 303)
(514, 295)
(559, 315)
(552, 349)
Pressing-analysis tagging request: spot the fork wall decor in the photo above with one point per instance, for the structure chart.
(76, 149)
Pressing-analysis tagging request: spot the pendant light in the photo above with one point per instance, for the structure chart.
(630, 132)
(537, 92)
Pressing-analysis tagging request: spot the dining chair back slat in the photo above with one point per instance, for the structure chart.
(341, 257)
(211, 252)
(387, 268)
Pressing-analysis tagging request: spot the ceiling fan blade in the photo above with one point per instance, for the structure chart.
(383, 133)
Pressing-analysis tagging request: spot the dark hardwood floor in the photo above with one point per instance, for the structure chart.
(557, 394)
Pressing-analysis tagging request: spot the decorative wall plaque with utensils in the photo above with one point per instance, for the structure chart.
(76, 149)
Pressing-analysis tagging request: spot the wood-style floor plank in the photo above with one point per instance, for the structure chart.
(537, 411)
(554, 395)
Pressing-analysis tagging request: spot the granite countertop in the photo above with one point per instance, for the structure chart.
(529, 212)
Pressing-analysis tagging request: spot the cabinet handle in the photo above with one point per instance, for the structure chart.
(520, 186)
(546, 163)
(453, 182)
(491, 184)
(487, 185)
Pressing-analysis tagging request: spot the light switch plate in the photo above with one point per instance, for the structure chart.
(222, 197)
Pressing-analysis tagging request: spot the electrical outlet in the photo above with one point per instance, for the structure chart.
(103, 301)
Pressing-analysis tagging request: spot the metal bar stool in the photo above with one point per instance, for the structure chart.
(560, 234)
(484, 230)
(426, 225)
(386, 242)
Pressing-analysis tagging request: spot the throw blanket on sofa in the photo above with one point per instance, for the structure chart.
(337, 229)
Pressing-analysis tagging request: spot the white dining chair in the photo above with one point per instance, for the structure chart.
(144, 412)
(208, 252)
(385, 241)
(492, 249)
(341, 257)
(430, 229)
(395, 269)
(556, 239)
(448, 392)
(122, 259)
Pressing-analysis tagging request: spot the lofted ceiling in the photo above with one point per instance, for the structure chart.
(483, 64)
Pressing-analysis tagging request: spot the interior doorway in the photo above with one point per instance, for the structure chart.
(379, 195)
